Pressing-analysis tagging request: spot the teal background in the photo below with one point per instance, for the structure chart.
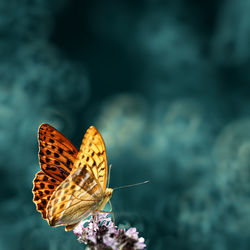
(167, 85)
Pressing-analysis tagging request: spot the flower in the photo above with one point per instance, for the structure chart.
(99, 232)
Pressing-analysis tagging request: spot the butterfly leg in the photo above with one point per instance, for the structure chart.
(111, 211)
(108, 212)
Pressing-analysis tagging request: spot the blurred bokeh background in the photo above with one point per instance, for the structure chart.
(167, 85)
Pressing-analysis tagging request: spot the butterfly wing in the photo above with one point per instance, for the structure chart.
(56, 157)
(75, 198)
(57, 154)
(43, 188)
(82, 193)
(92, 154)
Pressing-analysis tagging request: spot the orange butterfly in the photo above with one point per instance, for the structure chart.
(71, 184)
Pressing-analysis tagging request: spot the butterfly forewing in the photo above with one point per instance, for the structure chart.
(92, 154)
(56, 153)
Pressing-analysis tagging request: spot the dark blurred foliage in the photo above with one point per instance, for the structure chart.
(166, 83)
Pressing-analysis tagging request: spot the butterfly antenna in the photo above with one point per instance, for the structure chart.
(132, 185)
(109, 174)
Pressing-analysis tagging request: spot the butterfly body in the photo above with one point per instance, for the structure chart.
(71, 184)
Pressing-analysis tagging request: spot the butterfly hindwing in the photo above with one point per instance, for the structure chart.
(56, 153)
(74, 199)
(43, 188)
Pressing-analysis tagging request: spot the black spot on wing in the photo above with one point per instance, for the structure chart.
(60, 150)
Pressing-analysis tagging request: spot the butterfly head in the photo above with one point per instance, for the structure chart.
(108, 193)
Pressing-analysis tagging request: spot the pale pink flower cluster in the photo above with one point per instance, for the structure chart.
(99, 232)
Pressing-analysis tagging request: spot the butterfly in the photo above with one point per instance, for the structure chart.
(71, 185)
